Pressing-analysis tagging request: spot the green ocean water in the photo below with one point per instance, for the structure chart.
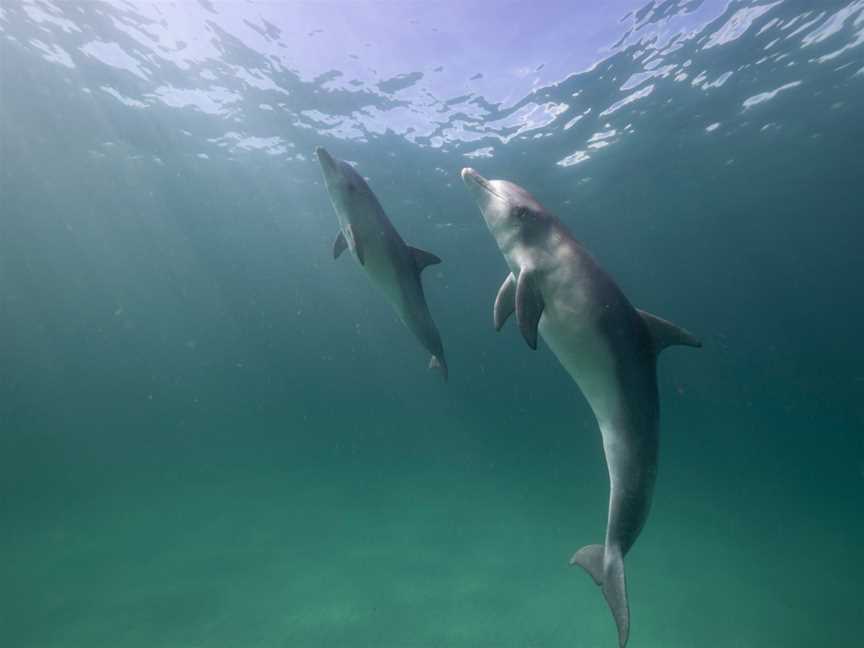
(213, 434)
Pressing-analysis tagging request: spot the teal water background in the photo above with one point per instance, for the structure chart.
(215, 435)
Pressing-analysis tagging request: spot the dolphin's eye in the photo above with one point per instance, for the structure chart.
(352, 186)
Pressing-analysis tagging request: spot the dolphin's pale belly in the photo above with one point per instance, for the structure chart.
(621, 393)
(567, 327)
(584, 354)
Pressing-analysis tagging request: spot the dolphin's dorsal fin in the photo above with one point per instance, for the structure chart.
(505, 302)
(422, 258)
(339, 245)
(665, 334)
(529, 307)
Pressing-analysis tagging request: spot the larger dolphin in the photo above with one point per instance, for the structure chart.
(393, 266)
(606, 345)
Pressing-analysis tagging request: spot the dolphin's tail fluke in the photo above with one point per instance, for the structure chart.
(606, 567)
(436, 362)
(590, 558)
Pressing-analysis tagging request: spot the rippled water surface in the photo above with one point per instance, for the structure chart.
(212, 434)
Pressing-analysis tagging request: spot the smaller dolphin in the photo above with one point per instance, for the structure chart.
(606, 345)
(391, 265)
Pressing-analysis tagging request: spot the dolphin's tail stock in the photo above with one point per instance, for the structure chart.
(438, 362)
(606, 566)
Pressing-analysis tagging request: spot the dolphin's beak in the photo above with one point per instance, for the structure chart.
(476, 184)
(473, 180)
(330, 168)
(480, 187)
(328, 164)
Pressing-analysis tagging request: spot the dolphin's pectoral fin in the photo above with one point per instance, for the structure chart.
(606, 567)
(339, 245)
(422, 258)
(590, 558)
(665, 333)
(505, 302)
(529, 307)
